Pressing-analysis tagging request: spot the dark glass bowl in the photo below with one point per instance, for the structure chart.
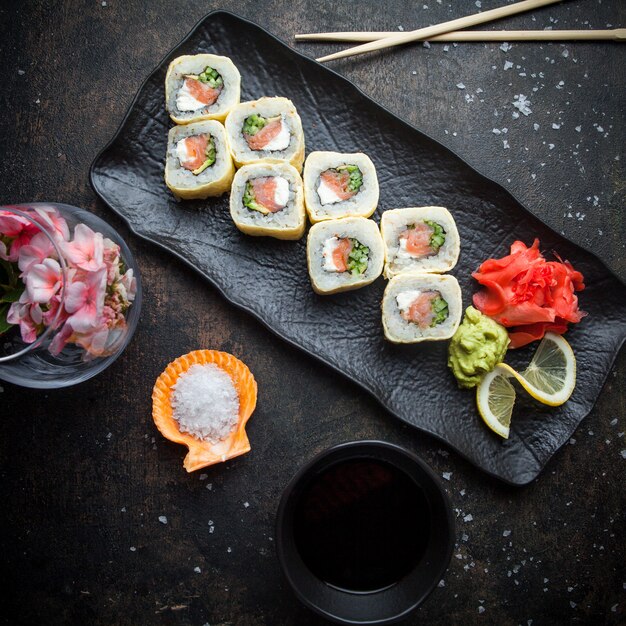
(405, 596)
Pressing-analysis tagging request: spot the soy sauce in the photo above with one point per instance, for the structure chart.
(361, 525)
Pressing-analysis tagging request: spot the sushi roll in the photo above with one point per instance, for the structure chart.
(339, 185)
(268, 129)
(421, 307)
(201, 87)
(267, 199)
(421, 239)
(198, 163)
(344, 254)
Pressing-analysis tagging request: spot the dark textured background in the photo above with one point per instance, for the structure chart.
(86, 475)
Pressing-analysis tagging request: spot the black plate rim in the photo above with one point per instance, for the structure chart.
(92, 180)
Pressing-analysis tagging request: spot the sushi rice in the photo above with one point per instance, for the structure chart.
(287, 146)
(397, 260)
(212, 181)
(402, 290)
(286, 223)
(322, 202)
(325, 236)
(195, 65)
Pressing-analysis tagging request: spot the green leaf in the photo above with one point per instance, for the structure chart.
(13, 295)
(8, 273)
(4, 325)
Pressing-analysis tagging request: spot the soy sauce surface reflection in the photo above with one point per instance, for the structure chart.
(361, 525)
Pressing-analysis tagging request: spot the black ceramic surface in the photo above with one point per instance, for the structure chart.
(395, 601)
(269, 278)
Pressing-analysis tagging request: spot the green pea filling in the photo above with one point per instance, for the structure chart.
(438, 238)
(357, 259)
(254, 123)
(440, 310)
(356, 177)
(210, 157)
(249, 200)
(211, 77)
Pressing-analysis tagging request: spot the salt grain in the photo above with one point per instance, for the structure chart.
(505, 47)
(508, 65)
(460, 86)
(205, 402)
(446, 475)
(522, 104)
(506, 533)
(197, 570)
(162, 519)
(133, 549)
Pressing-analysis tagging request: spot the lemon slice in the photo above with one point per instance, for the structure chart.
(495, 397)
(550, 377)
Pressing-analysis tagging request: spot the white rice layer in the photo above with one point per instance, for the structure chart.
(362, 204)
(265, 107)
(195, 64)
(285, 218)
(181, 178)
(397, 329)
(395, 221)
(363, 230)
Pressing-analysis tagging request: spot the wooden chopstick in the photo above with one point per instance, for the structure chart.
(437, 29)
(616, 34)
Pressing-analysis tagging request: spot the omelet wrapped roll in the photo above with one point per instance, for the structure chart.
(344, 254)
(419, 239)
(201, 87)
(421, 307)
(198, 163)
(268, 129)
(267, 200)
(339, 185)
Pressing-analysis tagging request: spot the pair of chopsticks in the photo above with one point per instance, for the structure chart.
(447, 31)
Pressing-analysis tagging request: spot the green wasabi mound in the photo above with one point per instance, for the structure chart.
(478, 345)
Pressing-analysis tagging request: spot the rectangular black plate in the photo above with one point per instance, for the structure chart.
(268, 278)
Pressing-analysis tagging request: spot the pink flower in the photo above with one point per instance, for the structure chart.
(38, 249)
(125, 288)
(53, 221)
(12, 225)
(84, 300)
(86, 251)
(43, 280)
(60, 340)
(50, 316)
(23, 239)
(111, 258)
(94, 342)
(20, 312)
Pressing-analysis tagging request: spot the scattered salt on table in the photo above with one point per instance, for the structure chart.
(205, 402)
